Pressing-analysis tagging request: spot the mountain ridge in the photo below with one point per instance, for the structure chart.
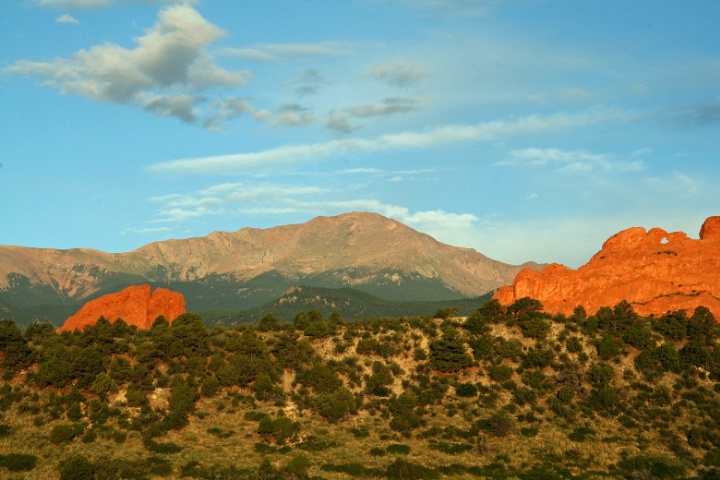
(358, 250)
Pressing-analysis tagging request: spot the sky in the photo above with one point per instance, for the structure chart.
(528, 130)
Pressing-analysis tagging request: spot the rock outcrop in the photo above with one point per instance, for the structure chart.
(136, 305)
(654, 270)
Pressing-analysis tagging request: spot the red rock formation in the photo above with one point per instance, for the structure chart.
(655, 271)
(137, 305)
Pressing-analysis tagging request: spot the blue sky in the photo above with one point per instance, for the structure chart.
(525, 129)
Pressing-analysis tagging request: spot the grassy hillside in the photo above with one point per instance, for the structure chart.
(506, 393)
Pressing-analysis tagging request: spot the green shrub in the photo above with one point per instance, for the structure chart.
(573, 345)
(210, 386)
(77, 467)
(652, 466)
(5, 430)
(166, 447)
(534, 327)
(65, 433)
(352, 469)
(404, 470)
(18, 462)
(500, 425)
(281, 429)
(609, 347)
(579, 434)
(712, 458)
(362, 432)
(318, 329)
(566, 394)
(466, 390)
(378, 452)
(501, 373)
(89, 436)
(298, 466)
(398, 449)
(447, 354)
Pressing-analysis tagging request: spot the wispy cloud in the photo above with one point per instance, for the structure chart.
(448, 134)
(399, 73)
(218, 198)
(228, 108)
(389, 106)
(699, 114)
(293, 115)
(133, 230)
(168, 66)
(275, 52)
(568, 161)
(67, 18)
(281, 199)
(340, 124)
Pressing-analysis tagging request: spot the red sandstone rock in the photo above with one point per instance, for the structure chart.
(711, 229)
(137, 305)
(655, 271)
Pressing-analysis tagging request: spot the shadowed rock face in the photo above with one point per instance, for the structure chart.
(654, 270)
(137, 305)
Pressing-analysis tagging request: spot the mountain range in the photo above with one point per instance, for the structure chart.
(248, 268)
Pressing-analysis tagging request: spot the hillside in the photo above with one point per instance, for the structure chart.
(350, 303)
(251, 267)
(506, 393)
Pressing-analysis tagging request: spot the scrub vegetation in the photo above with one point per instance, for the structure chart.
(503, 393)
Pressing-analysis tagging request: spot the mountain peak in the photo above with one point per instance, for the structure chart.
(251, 266)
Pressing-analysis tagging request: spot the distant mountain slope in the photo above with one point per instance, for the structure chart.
(250, 267)
(350, 303)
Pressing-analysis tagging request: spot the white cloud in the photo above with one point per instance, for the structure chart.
(284, 199)
(389, 106)
(399, 73)
(292, 115)
(448, 134)
(174, 215)
(275, 52)
(228, 108)
(169, 62)
(568, 161)
(340, 124)
(218, 198)
(133, 230)
(67, 18)
(179, 106)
